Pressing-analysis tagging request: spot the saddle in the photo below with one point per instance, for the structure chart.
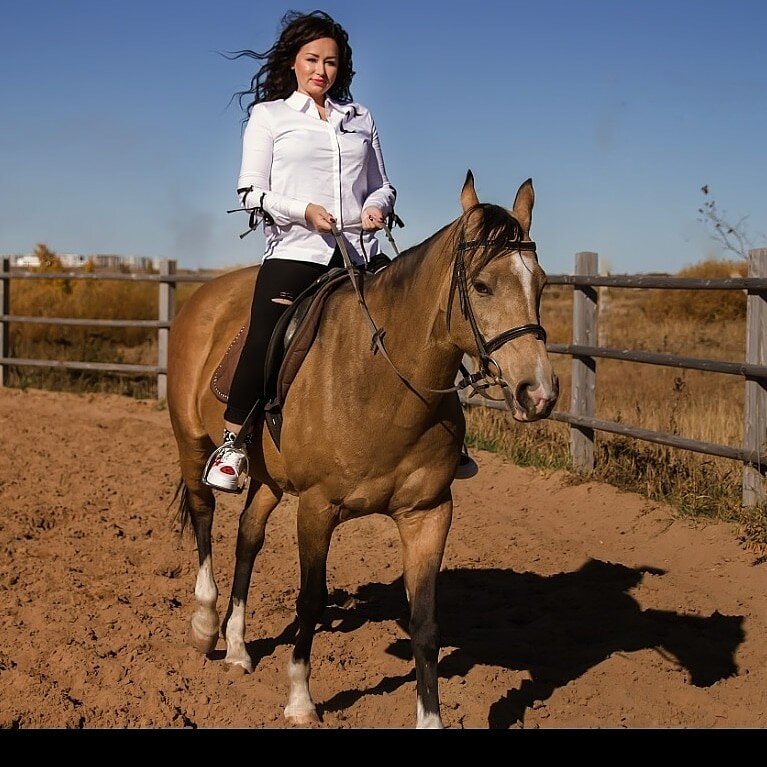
(290, 342)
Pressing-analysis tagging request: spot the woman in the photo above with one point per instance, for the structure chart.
(311, 158)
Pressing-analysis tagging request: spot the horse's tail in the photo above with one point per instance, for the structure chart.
(182, 515)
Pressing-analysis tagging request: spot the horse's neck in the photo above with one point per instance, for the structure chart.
(408, 301)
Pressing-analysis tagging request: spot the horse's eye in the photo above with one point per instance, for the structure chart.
(482, 288)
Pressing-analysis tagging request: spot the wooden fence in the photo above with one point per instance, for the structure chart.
(584, 351)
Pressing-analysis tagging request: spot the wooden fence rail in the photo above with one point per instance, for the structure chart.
(166, 281)
(583, 350)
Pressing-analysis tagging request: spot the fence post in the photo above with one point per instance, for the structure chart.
(583, 398)
(5, 308)
(755, 431)
(167, 310)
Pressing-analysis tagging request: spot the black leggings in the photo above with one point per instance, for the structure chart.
(279, 282)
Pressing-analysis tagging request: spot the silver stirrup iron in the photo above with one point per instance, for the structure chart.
(241, 479)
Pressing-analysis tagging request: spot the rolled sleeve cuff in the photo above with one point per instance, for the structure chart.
(383, 199)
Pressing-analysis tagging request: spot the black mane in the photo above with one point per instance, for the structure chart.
(495, 225)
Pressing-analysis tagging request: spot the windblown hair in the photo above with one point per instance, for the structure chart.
(276, 80)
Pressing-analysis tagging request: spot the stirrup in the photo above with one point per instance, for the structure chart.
(242, 477)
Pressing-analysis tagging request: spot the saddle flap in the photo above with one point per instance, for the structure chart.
(304, 333)
(299, 321)
(221, 382)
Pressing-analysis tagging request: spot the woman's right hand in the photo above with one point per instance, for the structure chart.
(318, 218)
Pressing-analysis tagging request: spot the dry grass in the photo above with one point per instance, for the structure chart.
(86, 299)
(694, 404)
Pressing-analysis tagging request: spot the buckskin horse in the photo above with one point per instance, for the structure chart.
(356, 439)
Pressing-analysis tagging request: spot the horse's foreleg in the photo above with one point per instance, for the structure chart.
(423, 534)
(203, 631)
(315, 529)
(250, 538)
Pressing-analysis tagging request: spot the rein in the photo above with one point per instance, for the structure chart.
(377, 334)
(489, 373)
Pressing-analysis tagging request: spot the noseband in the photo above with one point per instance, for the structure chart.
(490, 373)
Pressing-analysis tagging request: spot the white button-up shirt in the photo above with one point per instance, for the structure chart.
(291, 158)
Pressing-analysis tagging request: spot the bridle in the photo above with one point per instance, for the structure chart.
(490, 372)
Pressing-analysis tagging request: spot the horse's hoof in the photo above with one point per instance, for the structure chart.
(301, 718)
(239, 666)
(202, 642)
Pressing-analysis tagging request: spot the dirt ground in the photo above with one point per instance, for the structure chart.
(560, 605)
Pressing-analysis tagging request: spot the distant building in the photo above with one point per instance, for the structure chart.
(27, 261)
(106, 261)
(138, 263)
(72, 260)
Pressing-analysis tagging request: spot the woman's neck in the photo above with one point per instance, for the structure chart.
(319, 104)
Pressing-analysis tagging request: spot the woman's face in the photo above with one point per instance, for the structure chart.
(316, 68)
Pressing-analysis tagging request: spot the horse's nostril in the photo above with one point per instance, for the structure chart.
(523, 392)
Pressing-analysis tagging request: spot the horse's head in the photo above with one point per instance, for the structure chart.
(494, 303)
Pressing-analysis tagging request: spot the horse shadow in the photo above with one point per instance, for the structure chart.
(555, 627)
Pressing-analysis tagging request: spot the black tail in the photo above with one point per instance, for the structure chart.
(181, 515)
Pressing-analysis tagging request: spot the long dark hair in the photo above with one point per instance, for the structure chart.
(276, 80)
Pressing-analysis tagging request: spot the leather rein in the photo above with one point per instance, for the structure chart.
(489, 373)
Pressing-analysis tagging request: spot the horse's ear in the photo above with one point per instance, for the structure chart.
(468, 195)
(523, 205)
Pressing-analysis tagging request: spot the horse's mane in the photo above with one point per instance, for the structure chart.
(494, 225)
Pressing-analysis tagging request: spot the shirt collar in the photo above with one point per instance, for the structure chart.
(302, 103)
(298, 101)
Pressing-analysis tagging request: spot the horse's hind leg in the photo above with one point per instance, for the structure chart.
(315, 530)
(423, 535)
(250, 538)
(204, 627)
(198, 504)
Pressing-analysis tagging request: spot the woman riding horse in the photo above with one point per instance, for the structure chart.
(378, 446)
(311, 160)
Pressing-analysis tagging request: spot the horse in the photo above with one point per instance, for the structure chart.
(357, 437)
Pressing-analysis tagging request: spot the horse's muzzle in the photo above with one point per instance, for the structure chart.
(533, 401)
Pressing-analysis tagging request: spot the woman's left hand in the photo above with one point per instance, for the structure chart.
(372, 219)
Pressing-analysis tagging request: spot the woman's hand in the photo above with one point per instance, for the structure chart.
(318, 218)
(372, 219)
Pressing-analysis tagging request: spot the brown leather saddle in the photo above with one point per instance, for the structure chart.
(291, 340)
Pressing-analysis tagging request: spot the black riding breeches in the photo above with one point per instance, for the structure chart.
(278, 284)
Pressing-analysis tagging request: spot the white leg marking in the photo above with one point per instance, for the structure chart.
(236, 652)
(300, 707)
(426, 721)
(205, 621)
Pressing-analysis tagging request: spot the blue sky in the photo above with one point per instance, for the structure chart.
(117, 135)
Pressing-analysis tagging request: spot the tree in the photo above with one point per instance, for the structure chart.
(49, 261)
(730, 236)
